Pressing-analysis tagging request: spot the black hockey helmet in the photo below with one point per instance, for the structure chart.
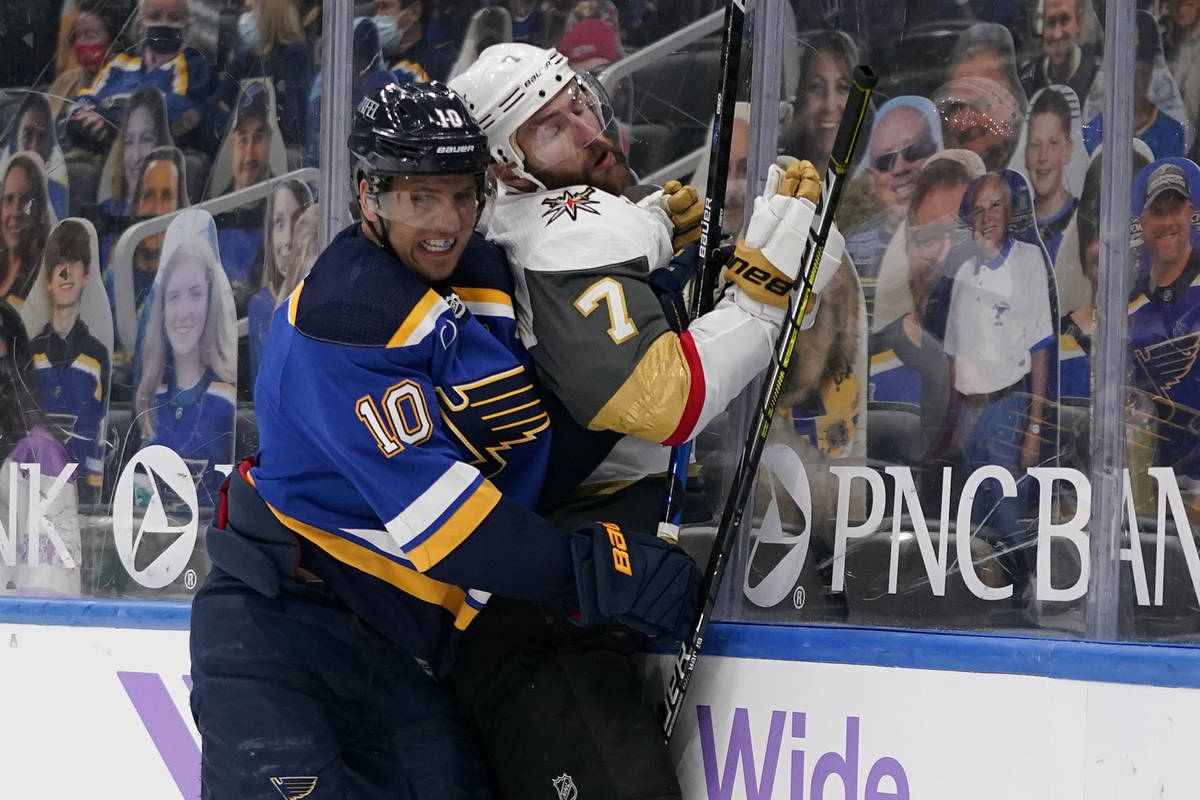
(415, 129)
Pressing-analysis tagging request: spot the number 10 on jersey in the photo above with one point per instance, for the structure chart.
(405, 418)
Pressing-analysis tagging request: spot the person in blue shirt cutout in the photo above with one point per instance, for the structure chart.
(185, 397)
(1048, 148)
(25, 220)
(161, 61)
(402, 444)
(72, 365)
(1151, 124)
(287, 201)
(271, 44)
(34, 132)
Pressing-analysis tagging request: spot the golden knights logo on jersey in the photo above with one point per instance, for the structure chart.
(569, 203)
(489, 416)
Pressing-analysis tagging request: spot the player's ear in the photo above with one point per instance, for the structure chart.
(365, 205)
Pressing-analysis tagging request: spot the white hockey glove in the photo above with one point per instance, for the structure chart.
(766, 263)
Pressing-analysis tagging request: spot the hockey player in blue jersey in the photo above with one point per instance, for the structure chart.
(72, 365)
(402, 442)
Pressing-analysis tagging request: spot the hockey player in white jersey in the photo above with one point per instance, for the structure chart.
(556, 704)
(582, 257)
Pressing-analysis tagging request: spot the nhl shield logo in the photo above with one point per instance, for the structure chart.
(565, 787)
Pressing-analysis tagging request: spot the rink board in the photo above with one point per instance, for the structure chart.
(94, 710)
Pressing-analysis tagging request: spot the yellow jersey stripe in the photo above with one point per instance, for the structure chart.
(92, 367)
(882, 356)
(181, 74)
(454, 532)
(419, 321)
(294, 304)
(483, 296)
(422, 587)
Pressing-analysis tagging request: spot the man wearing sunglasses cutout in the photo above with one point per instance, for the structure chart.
(905, 133)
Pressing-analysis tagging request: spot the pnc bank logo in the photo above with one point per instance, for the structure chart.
(777, 555)
(155, 518)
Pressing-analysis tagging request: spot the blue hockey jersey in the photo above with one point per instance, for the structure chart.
(186, 81)
(404, 441)
(197, 423)
(72, 376)
(1164, 340)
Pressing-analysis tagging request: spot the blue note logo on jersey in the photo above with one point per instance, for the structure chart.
(570, 204)
(492, 415)
(1165, 364)
(295, 788)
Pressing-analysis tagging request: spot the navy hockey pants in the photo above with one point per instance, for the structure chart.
(294, 693)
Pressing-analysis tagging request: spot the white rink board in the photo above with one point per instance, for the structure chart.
(73, 728)
(954, 735)
(70, 728)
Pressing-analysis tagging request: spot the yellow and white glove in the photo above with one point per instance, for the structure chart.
(686, 210)
(765, 264)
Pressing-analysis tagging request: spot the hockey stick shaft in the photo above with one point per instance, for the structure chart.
(743, 479)
(710, 234)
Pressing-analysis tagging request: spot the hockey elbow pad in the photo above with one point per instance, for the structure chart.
(637, 580)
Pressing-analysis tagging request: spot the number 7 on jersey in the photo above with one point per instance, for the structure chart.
(607, 289)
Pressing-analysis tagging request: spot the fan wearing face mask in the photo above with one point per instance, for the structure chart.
(408, 53)
(160, 60)
(99, 32)
(270, 44)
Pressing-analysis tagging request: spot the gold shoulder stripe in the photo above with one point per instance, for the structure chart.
(416, 320)
(652, 399)
(483, 296)
(294, 304)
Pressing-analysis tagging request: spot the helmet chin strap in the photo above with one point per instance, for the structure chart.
(381, 233)
(520, 172)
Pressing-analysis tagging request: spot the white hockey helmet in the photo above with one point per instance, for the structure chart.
(509, 83)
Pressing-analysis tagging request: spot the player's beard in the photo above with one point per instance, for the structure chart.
(613, 179)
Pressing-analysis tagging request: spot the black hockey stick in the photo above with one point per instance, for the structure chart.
(743, 480)
(710, 234)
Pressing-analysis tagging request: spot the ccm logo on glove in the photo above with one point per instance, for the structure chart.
(620, 551)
